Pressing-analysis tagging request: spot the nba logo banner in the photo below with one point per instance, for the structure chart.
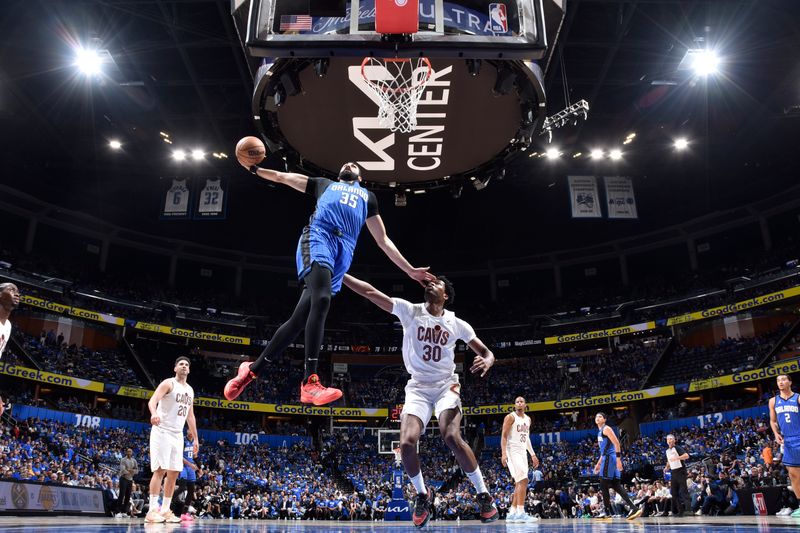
(759, 504)
(498, 18)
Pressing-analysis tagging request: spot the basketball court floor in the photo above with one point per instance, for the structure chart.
(738, 524)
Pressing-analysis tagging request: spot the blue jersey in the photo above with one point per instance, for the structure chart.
(342, 207)
(788, 413)
(606, 446)
(188, 472)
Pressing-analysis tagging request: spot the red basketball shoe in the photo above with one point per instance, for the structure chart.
(314, 392)
(235, 386)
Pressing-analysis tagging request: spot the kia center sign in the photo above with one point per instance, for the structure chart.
(463, 125)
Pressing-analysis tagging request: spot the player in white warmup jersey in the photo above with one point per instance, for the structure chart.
(9, 300)
(171, 407)
(429, 336)
(515, 444)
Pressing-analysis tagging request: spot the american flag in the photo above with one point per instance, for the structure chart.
(295, 22)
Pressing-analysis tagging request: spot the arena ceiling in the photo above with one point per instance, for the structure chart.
(176, 66)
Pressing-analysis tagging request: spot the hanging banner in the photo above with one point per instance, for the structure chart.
(619, 197)
(72, 311)
(211, 200)
(583, 195)
(737, 307)
(176, 200)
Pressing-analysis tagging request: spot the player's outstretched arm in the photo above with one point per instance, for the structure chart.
(362, 288)
(297, 182)
(484, 358)
(378, 231)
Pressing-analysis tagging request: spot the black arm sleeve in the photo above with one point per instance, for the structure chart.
(680, 451)
(316, 186)
(372, 205)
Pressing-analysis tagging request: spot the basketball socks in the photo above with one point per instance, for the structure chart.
(477, 480)
(311, 367)
(418, 483)
(165, 504)
(153, 502)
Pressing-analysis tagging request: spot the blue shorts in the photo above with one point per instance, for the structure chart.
(608, 467)
(791, 452)
(318, 245)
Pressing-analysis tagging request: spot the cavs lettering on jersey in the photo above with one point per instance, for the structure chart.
(788, 412)
(429, 341)
(520, 433)
(211, 197)
(5, 335)
(174, 407)
(177, 198)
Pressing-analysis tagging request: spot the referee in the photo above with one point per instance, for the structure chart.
(677, 485)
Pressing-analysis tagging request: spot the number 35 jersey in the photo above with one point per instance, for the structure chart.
(174, 407)
(429, 341)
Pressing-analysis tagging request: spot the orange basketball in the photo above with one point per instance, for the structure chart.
(250, 151)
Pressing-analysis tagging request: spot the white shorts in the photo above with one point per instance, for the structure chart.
(166, 450)
(424, 399)
(518, 465)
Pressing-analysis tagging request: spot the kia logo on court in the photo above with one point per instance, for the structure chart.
(460, 123)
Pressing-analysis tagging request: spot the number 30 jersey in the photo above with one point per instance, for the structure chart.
(429, 341)
(174, 407)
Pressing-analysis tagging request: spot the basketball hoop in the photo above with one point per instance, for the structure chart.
(398, 83)
(398, 458)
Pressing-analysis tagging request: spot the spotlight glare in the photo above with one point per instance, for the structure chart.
(178, 155)
(114, 144)
(615, 154)
(197, 154)
(706, 62)
(88, 61)
(596, 154)
(577, 154)
(681, 144)
(552, 153)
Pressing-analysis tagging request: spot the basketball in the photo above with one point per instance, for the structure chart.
(250, 151)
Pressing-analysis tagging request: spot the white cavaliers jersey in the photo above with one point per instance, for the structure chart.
(211, 197)
(174, 407)
(177, 198)
(429, 341)
(520, 434)
(5, 335)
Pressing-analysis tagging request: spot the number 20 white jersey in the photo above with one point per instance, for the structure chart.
(429, 341)
(174, 407)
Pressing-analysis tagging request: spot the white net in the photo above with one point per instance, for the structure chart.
(398, 84)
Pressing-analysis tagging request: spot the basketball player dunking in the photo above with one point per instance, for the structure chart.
(429, 336)
(784, 417)
(9, 300)
(324, 254)
(170, 408)
(609, 466)
(515, 444)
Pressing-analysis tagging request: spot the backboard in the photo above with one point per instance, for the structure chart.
(507, 29)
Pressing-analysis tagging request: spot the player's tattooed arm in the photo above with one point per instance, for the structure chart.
(162, 390)
(484, 358)
(773, 421)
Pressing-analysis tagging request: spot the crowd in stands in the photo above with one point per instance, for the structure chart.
(347, 479)
(730, 355)
(52, 353)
